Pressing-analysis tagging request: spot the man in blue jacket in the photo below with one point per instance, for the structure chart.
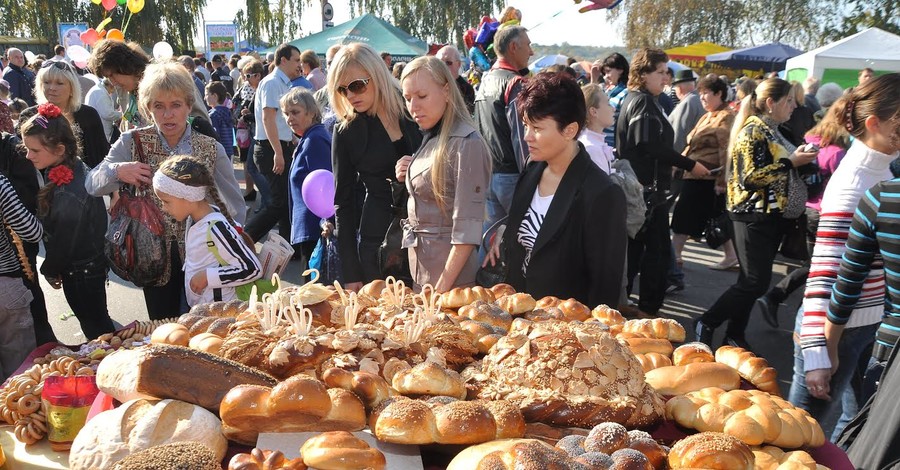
(21, 80)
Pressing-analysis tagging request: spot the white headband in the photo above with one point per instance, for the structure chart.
(164, 184)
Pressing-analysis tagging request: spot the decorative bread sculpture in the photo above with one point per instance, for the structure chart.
(689, 353)
(569, 374)
(773, 458)
(259, 459)
(298, 404)
(752, 368)
(753, 416)
(661, 328)
(444, 420)
(340, 450)
(711, 450)
(141, 424)
(678, 380)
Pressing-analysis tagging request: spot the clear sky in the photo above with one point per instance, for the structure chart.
(549, 21)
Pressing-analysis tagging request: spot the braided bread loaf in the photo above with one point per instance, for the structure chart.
(462, 296)
(711, 451)
(661, 328)
(431, 379)
(340, 450)
(752, 368)
(572, 309)
(652, 361)
(485, 335)
(773, 458)
(444, 420)
(370, 388)
(259, 459)
(607, 315)
(753, 416)
(502, 289)
(516, 304)
(486, 313)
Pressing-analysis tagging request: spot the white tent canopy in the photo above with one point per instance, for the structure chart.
(840, 60)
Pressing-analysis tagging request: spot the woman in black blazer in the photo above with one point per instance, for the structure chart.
(565, 235)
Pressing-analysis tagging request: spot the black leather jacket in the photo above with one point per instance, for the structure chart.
(74, 228)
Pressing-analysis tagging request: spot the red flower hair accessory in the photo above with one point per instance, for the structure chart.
(49, 110)
(60, 175)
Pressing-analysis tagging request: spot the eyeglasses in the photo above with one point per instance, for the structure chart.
(356, 86)
(248, 76)
(449, 63)
(58, 64)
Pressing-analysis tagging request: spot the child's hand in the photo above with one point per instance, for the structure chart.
(199, 283)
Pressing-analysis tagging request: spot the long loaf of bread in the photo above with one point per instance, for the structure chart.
(678, 380)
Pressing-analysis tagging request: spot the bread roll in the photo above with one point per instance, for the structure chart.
(649, 345)
(141, 424)
(340, 450)
(753, 369)
(509, 454)
(652, 361)
(206, 342)
(773, 458)
(259, 459)
(370, 388)
(516, 304)
(547, 302)
(161, 371)
(662, 328)
(711, 450)
(487, 313)
(429, 378)
(608, 316)
(170, 333)
(462, 296)
(689, 353)
(502, 289)
(678, 380)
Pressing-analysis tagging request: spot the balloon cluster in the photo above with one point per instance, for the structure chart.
(92, 35)
(480, 41)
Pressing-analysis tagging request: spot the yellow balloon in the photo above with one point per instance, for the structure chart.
(135, 6)
(96, 2)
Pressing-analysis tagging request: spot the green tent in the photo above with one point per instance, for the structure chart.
(368, 29)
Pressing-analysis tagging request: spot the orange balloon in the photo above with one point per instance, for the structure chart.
(115, 35)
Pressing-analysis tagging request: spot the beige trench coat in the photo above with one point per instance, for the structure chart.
(429, 233)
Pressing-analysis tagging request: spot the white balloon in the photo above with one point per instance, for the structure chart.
(78, 54)
(162, 50)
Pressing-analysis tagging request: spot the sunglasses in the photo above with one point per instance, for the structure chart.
(58, 64)
(251, 75)
(356, 86)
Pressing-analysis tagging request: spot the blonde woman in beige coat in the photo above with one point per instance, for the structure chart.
(447, 179)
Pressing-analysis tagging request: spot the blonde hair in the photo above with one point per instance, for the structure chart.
(67, 74)
(592, 95)
(754, 104)
(454, 113)
(799, 94)
(168, 76)
(388, 104)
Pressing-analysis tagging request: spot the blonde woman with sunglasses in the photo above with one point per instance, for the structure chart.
(373, 133)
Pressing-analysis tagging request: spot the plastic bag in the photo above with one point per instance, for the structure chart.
(135, 240)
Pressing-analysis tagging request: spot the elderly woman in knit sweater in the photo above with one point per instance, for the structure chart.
(832, 343)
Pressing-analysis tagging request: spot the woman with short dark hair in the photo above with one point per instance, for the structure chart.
(566, 229)
(615, 84)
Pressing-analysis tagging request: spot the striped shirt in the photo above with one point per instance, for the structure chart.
(875, 229)
(616, 95)
(15, 216)
(241, 264)
(860, 169)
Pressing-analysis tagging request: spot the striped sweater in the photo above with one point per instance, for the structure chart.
(14, 216)
(859, 170)
(875, 229)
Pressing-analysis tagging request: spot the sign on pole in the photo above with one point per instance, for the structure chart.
(221, 39)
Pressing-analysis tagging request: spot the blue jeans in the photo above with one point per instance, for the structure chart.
(833, 415)
(500, 196)
(262, 184)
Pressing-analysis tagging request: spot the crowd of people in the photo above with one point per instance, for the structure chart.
(560, 183)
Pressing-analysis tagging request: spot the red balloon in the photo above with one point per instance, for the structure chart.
(90, 37)
(109, 4)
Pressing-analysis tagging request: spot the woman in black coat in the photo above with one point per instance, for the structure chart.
(565, 235)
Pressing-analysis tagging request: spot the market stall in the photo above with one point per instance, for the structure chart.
(841, 61)
(313, 376)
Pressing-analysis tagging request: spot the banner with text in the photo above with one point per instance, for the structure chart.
(221, 39)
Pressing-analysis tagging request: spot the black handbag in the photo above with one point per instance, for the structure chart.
(489, 276)
(793, 245)
(718, 230)
(393, 259)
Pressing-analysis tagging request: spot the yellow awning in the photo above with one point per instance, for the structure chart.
(695, 53)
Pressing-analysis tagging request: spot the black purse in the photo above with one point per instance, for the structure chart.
(718, 230)
(393, 259)
(489, 276)
(793, 245)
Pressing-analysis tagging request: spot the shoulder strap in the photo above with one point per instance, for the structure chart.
(139, 147)
(211, 246)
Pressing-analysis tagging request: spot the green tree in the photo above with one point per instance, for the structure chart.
(438, 21)
(862, 14)
(275, 20)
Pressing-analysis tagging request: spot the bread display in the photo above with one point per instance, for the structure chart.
(649, 345)
(186, 455)
(259, 459)
(711, 450)
(462, 296)
(171, 333)
(610, 445)
(502, 289)
(512, 454)
(197, 324)
(752, 368)
(372, 389)
(141, 424)
(340, 450)
(569, 374)
(206, 342)
(516, 304)
(689, 353)
(773, 458)
(678, 380)
(162, 371)
(653, 360)
(660, 328)
(222, 309)
(429, 379)
(299, 404)
(485, 336)
(571, 308)
(443, 420)
(484, 312)
(753, 416)
(608, 316)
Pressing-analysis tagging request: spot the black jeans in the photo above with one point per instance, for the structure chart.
(277, 211)
(797, 278)
(756, 244)
(43, 332)
(169, 300)
(650, 254)
(85, 290)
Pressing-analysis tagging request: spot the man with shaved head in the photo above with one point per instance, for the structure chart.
(20, 79)
(450, 55)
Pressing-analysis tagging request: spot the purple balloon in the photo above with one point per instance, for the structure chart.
(318, 193)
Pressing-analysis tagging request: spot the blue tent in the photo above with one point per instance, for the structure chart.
(769, 57)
